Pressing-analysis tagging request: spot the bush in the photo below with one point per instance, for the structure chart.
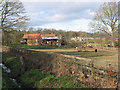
(33, 46)
(36, 79)
(13, 63)
(6, 82)
(32, 77)
(116, 43)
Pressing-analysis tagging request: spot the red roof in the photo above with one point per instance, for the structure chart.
(31, 36)
(37, 36)
(48, 35)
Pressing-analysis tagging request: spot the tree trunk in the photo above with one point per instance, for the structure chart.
(112, 38)
(113, 43)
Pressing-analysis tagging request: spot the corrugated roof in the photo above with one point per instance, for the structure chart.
(49, 37)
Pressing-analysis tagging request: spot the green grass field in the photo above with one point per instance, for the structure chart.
(35, 46)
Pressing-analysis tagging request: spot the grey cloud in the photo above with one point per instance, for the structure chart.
(45, 12)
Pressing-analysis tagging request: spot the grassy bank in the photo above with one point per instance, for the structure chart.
(13, 63)
(7, 83)
(36, 79)
(33, 78)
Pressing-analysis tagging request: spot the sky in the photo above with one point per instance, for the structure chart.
(68, 15)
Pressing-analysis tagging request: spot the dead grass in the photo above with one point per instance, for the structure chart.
(55, 50)
(101, 58)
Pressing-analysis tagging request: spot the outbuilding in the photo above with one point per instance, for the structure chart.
(41, 39)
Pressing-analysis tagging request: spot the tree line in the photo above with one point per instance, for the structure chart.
(15, 36)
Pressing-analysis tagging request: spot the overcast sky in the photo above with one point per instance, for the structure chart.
(74, 15)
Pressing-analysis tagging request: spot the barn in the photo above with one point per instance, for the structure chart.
(41, 39)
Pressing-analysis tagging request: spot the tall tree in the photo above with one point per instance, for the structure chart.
(106, 19)
(13, 15)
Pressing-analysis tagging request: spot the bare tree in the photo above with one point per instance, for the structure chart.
(13, 15)
(106, 19)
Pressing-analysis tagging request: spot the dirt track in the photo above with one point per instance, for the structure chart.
(55, 50)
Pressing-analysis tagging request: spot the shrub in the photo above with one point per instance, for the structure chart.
(36, 79)
(32, 77)
(6, 82)
(13, 63)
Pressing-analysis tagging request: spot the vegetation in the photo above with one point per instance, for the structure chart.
(34, 46)
(106, 20)
(33, 78)
(13, 63)
(6, 82)
(37, 79)
(66, 43)
(13, 21)
(30, 78)
(13, 15)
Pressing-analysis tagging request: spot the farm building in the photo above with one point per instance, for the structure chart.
(41, 39)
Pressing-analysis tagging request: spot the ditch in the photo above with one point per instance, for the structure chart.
(6, 72)
(15, 76)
